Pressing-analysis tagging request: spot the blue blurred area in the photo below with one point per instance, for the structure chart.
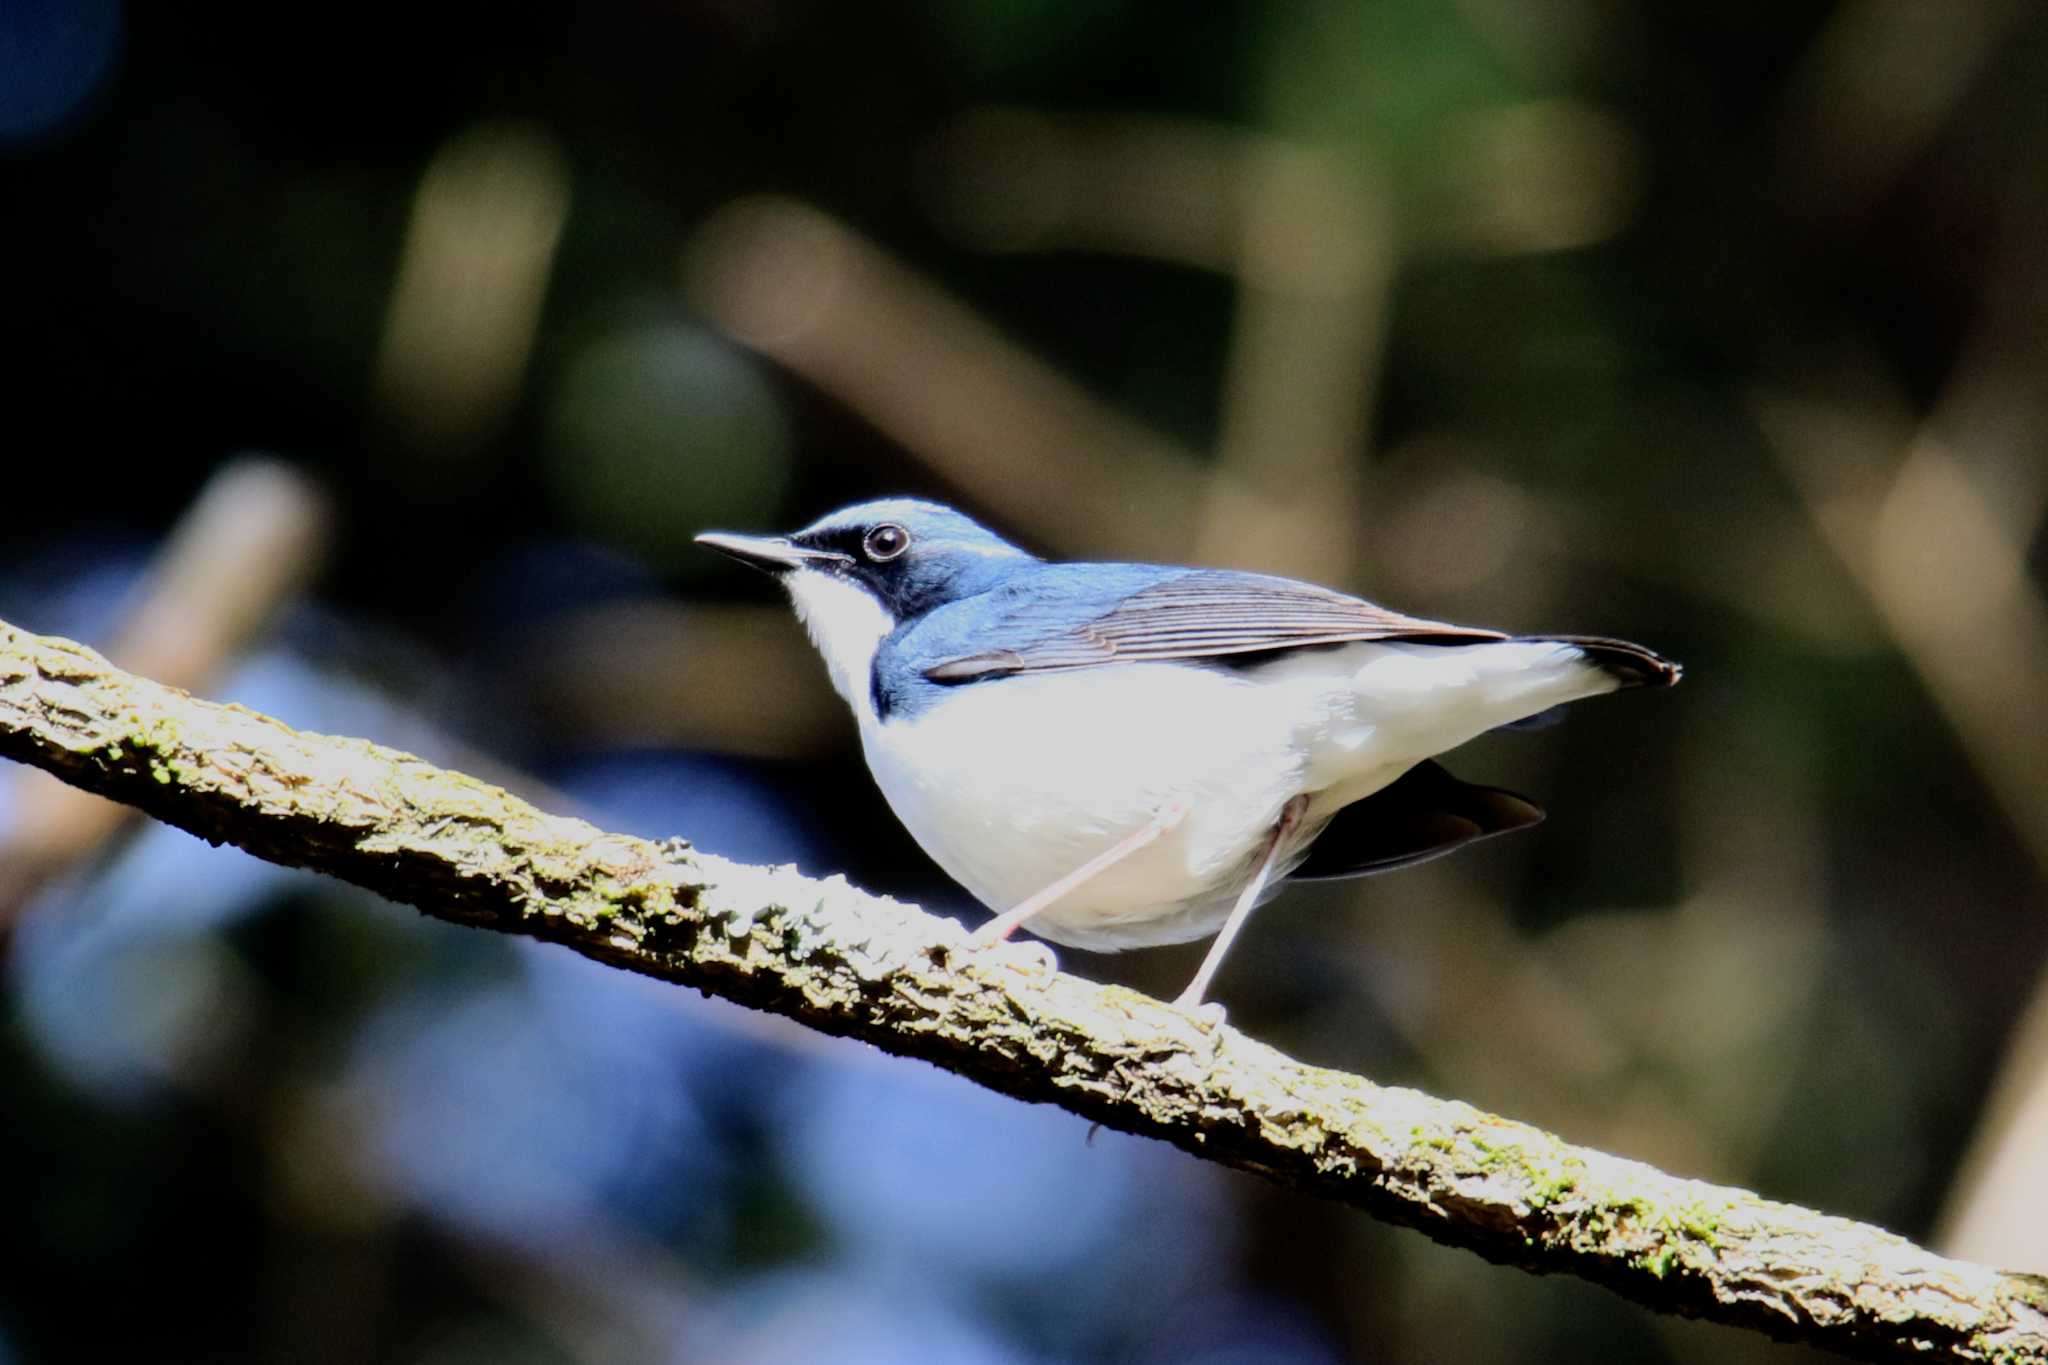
(797, 1316)
(122, 972)
(55, 56)
(727, 808)
(528, 1106)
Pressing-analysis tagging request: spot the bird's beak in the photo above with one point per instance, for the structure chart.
(770, 554)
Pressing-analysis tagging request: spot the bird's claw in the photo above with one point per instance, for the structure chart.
(1027, 956)
(1208, 1018)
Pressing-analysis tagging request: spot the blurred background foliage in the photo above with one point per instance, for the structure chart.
(373, 367)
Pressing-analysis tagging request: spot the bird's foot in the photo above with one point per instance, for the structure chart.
(1028, 957)
(1208, 1018)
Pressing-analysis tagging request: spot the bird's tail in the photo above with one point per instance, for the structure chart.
(1629, 665)
(1421, 699)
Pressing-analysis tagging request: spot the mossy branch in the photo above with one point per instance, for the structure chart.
(850, 963)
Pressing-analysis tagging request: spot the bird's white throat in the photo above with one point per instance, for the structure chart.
(847, 624)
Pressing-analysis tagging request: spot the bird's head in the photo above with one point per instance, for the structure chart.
(854, 575)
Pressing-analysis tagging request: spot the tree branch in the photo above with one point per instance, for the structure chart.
(850, 963)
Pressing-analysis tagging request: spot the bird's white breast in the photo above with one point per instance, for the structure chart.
(1012, 784)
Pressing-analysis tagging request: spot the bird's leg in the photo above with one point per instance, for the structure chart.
(1290, 818)
(1003, 925)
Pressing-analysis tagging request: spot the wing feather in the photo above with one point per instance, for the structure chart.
(1422, 814)
(1194, 614)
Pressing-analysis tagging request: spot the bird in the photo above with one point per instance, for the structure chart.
(1130, 755)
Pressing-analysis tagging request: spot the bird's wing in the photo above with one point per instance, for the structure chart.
(1188, 614)
(1423, 814)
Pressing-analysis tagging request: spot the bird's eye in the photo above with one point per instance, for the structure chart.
(885, 542)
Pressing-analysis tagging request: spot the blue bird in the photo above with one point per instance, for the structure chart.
(1126, 755)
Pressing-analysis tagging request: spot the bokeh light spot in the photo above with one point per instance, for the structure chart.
(657, 432)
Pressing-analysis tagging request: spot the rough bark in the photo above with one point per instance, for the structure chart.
(850, 963)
